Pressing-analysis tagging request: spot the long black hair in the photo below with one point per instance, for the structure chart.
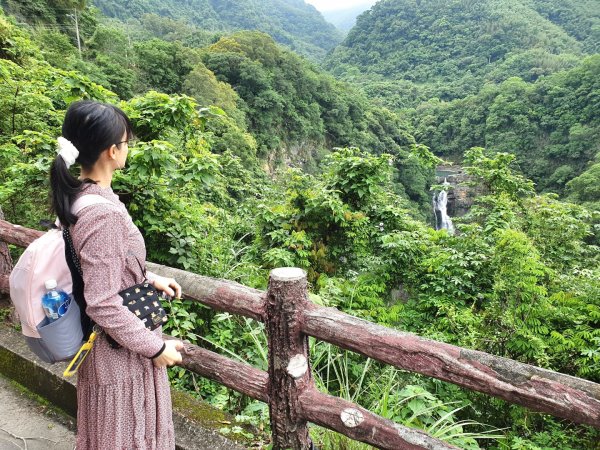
(92, 127)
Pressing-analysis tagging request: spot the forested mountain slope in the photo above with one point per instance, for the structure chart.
(552, 125)
(294, 111)
(520, 278)
(508, 75)
(579, 18)
(297, 112)
(291, 22)
(449, 48)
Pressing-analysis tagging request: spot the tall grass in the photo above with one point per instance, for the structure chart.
(386, 391)
(380, 388)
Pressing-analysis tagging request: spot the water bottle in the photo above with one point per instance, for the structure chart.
(55, 301)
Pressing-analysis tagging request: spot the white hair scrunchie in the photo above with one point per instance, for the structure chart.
(67, 151)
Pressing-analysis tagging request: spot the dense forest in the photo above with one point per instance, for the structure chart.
(552, 126)
(448, 49)
(252, 157)
(510, 76)
(290, 22)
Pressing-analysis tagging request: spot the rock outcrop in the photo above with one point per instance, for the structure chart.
(460, 195)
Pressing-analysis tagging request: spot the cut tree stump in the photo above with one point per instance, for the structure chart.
(289, 373)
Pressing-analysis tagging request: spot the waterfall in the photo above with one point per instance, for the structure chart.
(442, 220)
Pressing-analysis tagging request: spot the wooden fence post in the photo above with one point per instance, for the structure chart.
(289, 372)
(5, 263)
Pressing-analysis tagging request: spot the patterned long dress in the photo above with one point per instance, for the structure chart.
(123, 401)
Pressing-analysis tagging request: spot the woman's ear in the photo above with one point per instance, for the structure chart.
(112, 152)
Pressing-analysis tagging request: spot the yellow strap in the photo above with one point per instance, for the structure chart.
(80, 356)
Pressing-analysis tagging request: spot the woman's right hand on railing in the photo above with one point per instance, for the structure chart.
(170, 355)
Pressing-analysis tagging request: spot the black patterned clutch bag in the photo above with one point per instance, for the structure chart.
(142, 299)
(145, 302)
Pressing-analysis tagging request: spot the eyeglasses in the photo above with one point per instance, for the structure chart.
(130, 142)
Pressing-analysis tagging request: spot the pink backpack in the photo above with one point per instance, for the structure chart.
(42, 260)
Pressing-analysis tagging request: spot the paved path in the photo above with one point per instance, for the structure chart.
(21, 416)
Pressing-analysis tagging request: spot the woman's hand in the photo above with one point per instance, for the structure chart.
(168, 285)
(170, 355)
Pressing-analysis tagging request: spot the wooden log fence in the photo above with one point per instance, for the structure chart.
(288, 386)
(5, 260)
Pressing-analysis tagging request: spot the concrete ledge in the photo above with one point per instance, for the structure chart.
(196, 423)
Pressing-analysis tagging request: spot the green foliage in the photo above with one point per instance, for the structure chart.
(585, 188)
(202, 84)
(502, 276)
(579, 18)
(506, 75)
(170, 30)
(356, 176)
(296, 112)
(157, 115)
(519, 278)
(495, 175)
(33, 95)
(332, 225)
(162, 65)
(15, 43)
(560, 231)
(111, 50)
(289, 22)
(549, 125)
(428, 49)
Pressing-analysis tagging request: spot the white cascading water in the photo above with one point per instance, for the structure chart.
(442, 219)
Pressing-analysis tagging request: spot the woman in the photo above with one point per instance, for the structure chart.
(123, 395)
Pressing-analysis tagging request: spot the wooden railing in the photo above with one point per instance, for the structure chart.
(288, 386)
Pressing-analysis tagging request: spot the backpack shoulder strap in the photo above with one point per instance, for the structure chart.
(78, 205)
(87, 200)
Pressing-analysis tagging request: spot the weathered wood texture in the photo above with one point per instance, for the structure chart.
(17, 235)
(4, 285)
(289, 374)
(538, 389)
(221, 295)
(362, 425)
(5, 259)
(235, 375)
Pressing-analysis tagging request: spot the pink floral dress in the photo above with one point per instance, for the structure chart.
(123, 401)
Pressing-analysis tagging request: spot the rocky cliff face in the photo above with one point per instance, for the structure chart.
(460, 196)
